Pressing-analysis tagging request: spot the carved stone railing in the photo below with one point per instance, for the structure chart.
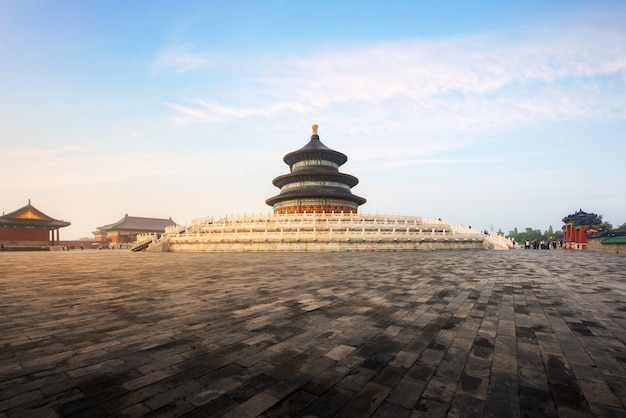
(319, 228)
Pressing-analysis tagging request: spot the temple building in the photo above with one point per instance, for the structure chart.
(126, 229)
(315, 211)
(29, 228)
(577, 226)
(314, 184)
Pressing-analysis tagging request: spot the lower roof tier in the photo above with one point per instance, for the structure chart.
(316, 192)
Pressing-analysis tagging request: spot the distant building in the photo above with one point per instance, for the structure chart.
(125, 230)
(29, 228)
(577, 226)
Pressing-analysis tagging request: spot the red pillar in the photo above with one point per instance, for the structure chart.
(583, 234)
(570, 236)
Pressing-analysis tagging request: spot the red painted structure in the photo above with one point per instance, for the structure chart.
(577, 226)
(29, 228)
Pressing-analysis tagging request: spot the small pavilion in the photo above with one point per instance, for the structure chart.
(577, 226)
(125, 230)
(29, 228)
(314, 183)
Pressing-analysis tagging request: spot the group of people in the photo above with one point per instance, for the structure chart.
(543, 244)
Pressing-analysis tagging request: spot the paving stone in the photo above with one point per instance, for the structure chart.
(406, 393)
(421, 371)
(254, 406)
(389, 410)
(426, 407)
(466, 406)
(340, 352)
(148, 379)
(478, 367)
(518, 333)
(137, 410)
(357, 378)
(570, 398)
(390, 375)
(599, 393)
(599, 410)
(327, 379)
(83, 404)
(171, 395)
(217, 407)
(251, 387)
(474, 386)
(22, 398)
(370, 397)
(292, 405)
(285, 386)
(350, 412)
(329, 404)
(536, 403)
(132, 399)
(440, 389)
(533, 378)
(502, 396)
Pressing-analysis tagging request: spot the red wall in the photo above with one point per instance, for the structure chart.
(24, 234)
(315, 209)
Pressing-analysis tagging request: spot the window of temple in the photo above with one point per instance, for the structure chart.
(314, 183)
(305, 163)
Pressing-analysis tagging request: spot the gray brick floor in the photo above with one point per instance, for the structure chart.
(458, 334)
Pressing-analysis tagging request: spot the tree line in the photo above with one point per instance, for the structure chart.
(531, 234)
(550, 234)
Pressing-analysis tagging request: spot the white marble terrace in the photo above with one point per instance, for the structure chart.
(320, 232)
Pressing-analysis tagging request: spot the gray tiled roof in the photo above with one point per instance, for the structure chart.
(138, 224)
(31, 217)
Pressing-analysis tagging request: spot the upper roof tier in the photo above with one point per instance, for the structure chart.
(315, 150)
(581, 218)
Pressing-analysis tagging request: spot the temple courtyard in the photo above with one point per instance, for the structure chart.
(353, 334)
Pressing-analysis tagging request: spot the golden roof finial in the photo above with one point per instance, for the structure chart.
(314, 127)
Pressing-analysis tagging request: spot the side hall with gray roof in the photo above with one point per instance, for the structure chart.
(126, 229)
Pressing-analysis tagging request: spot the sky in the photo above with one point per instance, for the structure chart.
(490, 114)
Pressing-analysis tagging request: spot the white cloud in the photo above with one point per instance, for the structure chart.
(473, 84)
(211, 111)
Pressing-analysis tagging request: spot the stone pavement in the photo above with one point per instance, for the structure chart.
(499, 334)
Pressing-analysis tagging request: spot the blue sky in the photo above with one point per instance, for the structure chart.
(490, 114)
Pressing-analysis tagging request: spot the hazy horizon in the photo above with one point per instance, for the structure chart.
(491, 115)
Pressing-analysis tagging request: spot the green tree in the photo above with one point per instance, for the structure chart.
(606, 226)
(622, 227)
(528, 234)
